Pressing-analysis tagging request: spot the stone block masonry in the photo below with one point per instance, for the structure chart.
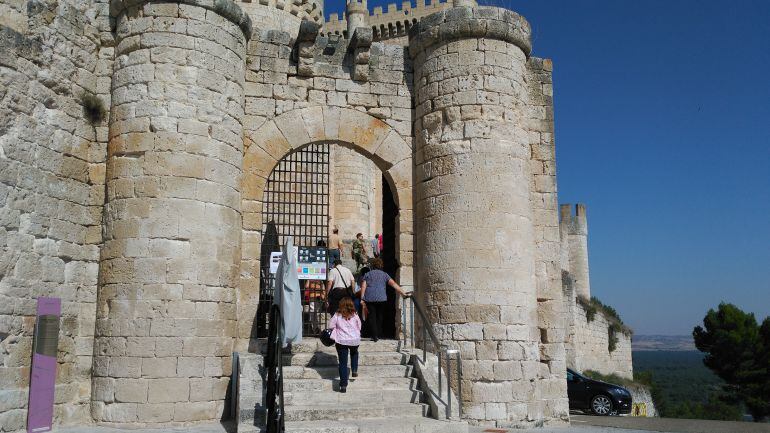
(356, 202)
(169, 265)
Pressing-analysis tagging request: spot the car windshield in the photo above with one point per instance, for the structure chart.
(572, 376)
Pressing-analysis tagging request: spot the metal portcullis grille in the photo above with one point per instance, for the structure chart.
(296, 203)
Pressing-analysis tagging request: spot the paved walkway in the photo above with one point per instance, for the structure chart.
(580, 424)
(197, 428)
(669, 425)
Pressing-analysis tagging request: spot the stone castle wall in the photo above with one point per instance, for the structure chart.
(587, 342)
(588, 347)
(52, 165)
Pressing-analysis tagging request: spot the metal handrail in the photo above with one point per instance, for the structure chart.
(427, 331)
(276, 413)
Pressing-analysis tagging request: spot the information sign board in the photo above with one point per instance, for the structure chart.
(43, 377)
(312, 263)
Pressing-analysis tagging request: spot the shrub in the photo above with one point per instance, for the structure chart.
(93, 108)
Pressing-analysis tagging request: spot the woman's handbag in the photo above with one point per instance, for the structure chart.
(326, 337)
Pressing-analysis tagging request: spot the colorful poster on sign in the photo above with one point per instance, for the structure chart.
(312, 263)
(43, 377)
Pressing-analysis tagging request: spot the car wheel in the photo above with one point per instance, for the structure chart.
(601, 405)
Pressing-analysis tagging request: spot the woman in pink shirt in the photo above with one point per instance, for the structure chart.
(347, 335)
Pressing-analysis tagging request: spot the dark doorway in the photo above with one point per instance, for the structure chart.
(388, 254)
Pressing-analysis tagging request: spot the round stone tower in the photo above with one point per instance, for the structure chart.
(473, 213)
(172, 221)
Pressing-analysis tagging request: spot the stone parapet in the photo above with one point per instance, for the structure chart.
(465, 22)
(224, 8)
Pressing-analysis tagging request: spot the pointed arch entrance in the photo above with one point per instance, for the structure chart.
(310, 128)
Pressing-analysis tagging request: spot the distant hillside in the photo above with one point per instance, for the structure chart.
(682, 386)
(662, 342)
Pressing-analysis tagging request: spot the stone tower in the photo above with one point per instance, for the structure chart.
(476, 240)
(574, 238)
(172, 219)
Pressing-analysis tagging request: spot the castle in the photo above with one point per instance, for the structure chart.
(140, 147)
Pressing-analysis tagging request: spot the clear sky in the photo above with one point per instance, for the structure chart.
(663, 130)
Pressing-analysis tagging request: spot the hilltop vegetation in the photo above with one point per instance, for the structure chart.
(682, 387)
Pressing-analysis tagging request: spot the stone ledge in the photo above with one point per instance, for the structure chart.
(225, 8)
(465, 22)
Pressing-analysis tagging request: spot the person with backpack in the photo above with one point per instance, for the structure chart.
(346, 333)
(339, 284)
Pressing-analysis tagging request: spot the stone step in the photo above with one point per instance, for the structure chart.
(378, 425)
(312, 345)
(330, 359)
(358, 411)
(353, 396)
(330, 372)
(300, 385)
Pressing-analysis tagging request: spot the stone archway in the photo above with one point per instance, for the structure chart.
(293, 130)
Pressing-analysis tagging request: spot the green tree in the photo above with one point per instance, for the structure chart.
(736, 350)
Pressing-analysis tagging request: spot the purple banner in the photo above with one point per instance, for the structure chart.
(43, 378)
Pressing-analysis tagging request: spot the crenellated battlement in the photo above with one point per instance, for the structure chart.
(394, 22)
(312, 9)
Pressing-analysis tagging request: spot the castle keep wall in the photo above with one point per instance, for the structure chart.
(169, 264)
(51, 192)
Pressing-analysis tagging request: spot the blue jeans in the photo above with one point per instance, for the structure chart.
(342, 355)
(333, 255)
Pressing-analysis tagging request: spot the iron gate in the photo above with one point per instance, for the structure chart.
(296, 203)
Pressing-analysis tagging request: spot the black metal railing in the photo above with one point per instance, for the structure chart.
(428, 337)
(274, 369)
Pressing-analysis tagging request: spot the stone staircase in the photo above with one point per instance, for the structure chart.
(384, 398)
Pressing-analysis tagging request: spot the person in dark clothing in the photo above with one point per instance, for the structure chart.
(374, 296)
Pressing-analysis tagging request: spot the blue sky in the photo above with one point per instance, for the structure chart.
(663, 130)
